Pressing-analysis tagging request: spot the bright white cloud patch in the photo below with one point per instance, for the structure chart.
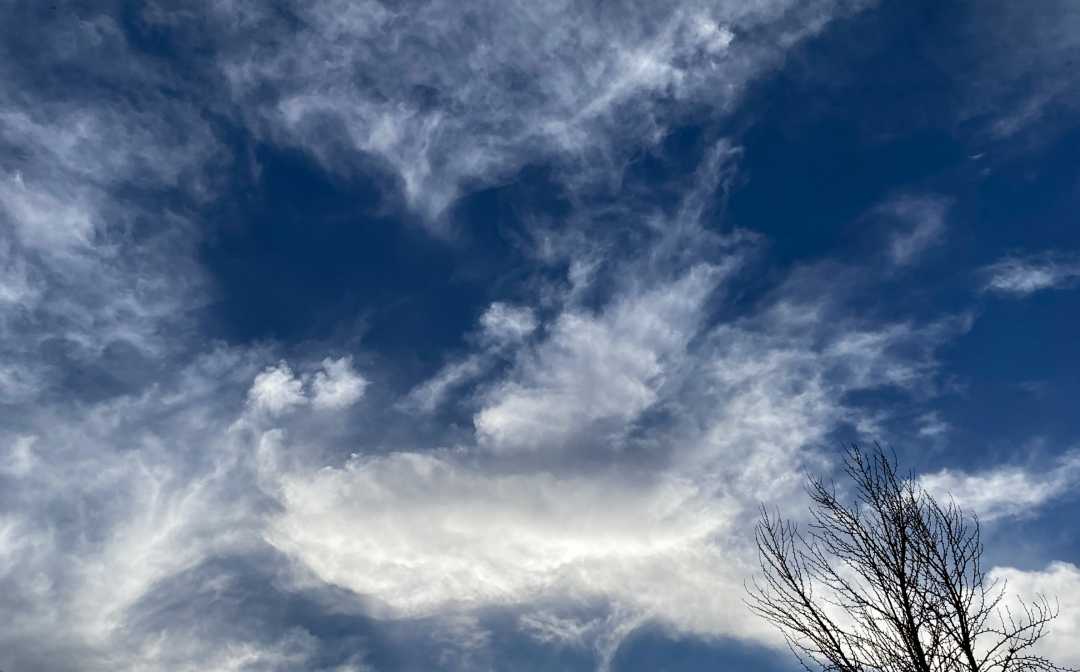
(337, 385)
(595, 372)
(1060, 582)
(1006, 491)
(423, 534)
(276, 390)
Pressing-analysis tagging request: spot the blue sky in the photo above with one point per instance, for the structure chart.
(365, 335)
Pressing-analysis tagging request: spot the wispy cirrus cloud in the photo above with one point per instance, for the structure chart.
(920, 223)
(1023, 75)
(1007, 491)
(502, 326)
(97, 181)
(460, 97)
(1022, 275)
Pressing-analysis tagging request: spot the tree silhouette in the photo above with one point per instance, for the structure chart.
(891, 582)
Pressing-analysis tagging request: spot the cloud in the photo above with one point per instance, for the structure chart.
(126, 525)
(338, 385)
(454, 98)
(1060, 583)
(276, 390)
(651, 526)
(627, 417)
(1022, 74)
(100, 505)
(599, 351)
(595, 371)
(649, 515)
(931, 425)
(1020, 276)
(20, 458)
(502, 323)
(97, 185)
(500, 328)
(335, 386)
(1006, 491)
(492, 539)
(620, 455)
(921, 221)
(430, 394)
(1009, 73)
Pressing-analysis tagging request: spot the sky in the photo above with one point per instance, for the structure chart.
(377, 335)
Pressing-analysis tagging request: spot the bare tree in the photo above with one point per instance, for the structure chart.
(891, 582)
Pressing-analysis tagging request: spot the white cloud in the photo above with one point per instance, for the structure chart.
(713, 37)
(185, 473)
(276, 390)
(1006, 491)
(335, 386)
(502, 323)
(338, 385)
(430, 394)
(679, 426)
(112, 500)
(1020, 276)
(594, 371)
(452, 98)
(424, 534)
(430, 533)
(295, 650)
(931, 425)
(501, 328)
(81, 270)
(1060, 583)
(53, 223)
(619, 460)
